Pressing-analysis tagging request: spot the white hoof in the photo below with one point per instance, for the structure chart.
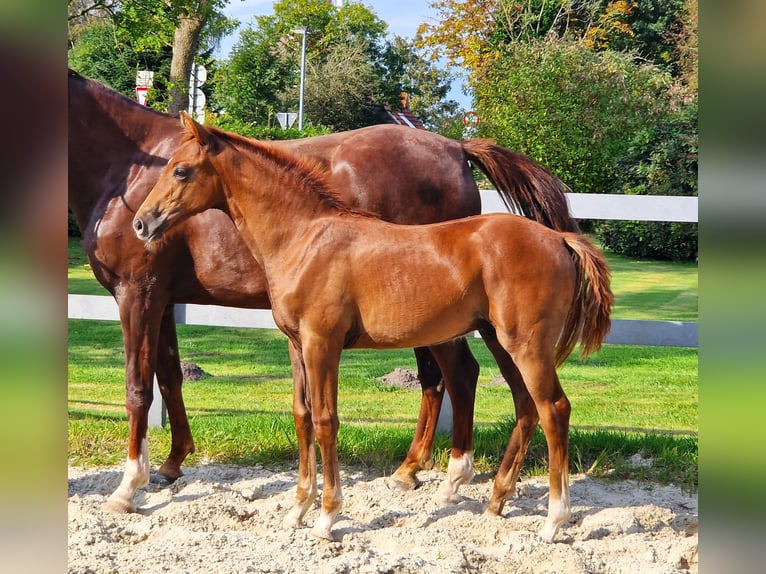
(323, 527)
(293, 519)
(548, 532)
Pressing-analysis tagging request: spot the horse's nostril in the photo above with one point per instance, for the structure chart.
(138, 225)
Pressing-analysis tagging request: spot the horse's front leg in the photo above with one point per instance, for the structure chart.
(322, 359)
(140, 332)
(170, 381)
(306, 491)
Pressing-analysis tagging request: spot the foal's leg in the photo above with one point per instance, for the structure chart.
(140, 332)
(526, 421)
(170, 381)
(306, 491)
(321, 355)
(539, 373)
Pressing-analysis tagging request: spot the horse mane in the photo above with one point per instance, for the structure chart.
(310, 174)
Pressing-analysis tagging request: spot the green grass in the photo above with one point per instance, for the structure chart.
(81, 279)
(656, 290)
(625, 399)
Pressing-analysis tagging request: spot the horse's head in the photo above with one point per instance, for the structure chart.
(189, 184)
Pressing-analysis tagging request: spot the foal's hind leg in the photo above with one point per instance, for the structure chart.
(170, 381)
(461, 372)
(526, 421)
(539, 373)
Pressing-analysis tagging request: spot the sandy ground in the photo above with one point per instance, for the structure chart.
(227, 519)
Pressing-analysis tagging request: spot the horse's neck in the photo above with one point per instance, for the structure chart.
(270, 207)
(108, 137)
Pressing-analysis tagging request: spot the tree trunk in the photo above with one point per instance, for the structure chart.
(185, 43)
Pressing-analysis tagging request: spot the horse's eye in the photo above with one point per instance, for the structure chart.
(181, 173)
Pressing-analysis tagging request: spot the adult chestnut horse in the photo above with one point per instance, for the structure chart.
(117, 149)
(339, 278)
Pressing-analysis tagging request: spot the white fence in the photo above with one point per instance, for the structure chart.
(582, 206)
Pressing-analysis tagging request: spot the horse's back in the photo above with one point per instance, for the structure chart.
(402, 174)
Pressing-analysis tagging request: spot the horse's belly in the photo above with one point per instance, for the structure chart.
(399, 328)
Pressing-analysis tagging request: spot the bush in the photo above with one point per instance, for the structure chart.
(73, 228)
(260, 132)
(650, 240)
(662, 160)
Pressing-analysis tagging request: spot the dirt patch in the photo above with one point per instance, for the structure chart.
(225, 519)
(401, 379)
(192, 372)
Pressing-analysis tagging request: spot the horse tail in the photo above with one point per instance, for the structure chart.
(588, 321)
(525, 186)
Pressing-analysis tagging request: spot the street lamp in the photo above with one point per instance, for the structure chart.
(301, 31)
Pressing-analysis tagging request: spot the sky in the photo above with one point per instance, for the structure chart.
(402, 16)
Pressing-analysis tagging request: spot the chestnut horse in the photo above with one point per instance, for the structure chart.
(339, 278)
(117, 149)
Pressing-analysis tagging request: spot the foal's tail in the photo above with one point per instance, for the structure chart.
(588, 321)
(525, 186)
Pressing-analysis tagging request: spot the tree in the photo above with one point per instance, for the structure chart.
(570, 108)
(150, 27)
(406, 68)
(350, 67)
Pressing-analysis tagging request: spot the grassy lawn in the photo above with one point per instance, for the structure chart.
(625, 399)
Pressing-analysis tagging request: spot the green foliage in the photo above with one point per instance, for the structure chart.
(350, 67)
(650, 240)
(249, 86)
(73, 230)
(262, 75)
(263, 132)
(661, 160)
(107, 53)
(571, 109)
(405, 67)
(139, 35)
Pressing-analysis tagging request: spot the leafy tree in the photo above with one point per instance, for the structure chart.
(570, 108)
(475, 33)
(250, 85)
(339, 88)
(661, 160)
(350, 67)
(405, 68)
(151, 30)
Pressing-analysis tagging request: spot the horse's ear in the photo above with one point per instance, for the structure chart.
(197, 130)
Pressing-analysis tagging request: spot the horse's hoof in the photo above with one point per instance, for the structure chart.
(292, 520)
(170, 473)
(162, 480)
(119, 506)
(396, 483)
(448, 499)
(548, 533)
(323, 533)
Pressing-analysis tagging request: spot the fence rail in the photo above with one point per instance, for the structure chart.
(582, 206)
